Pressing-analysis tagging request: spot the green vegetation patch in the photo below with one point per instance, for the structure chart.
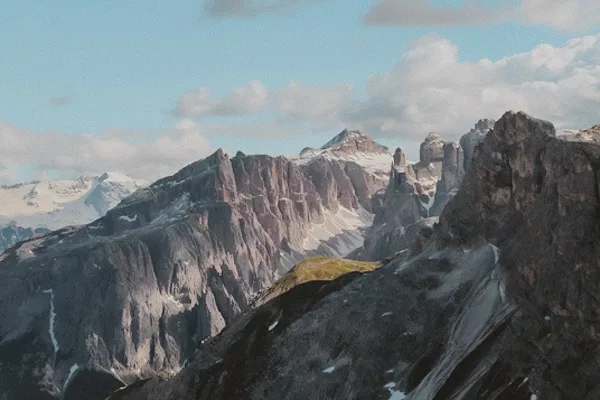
(318, 269)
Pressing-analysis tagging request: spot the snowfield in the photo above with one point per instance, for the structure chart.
(56, 204)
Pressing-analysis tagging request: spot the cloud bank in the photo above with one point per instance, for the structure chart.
(564, 15)
(244, 100)
(152, 155)
(428, 89)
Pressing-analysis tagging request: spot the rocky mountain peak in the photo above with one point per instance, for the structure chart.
(431, 149)
(354, 150)
(471, 139)
(352, 141)
(484, 125)
(399, 164)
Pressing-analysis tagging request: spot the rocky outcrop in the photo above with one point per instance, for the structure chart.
(86, 309)
(452, 175)
(13, 233)
(429, 168)
(395, 224)
(431, 149)
(470, 140)
(498, 303)
(414, 196)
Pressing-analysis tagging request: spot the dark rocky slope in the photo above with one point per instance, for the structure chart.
(499, 304)
(86, 309)
(13, 233)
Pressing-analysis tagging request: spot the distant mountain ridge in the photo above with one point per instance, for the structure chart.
(41, 206)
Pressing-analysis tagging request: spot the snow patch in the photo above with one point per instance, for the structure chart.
(273, 325)
(427, 206)
(385, 314)
(52, 320)
(496, 253)
(390, 385)
(128, 218)
(329, 370)
(114, 372)
(547, 318)
(376, 163)
(174, 210)
(396, 395)
(345, 221)
(502, 291)
(72, 371)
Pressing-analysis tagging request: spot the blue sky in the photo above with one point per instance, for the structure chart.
(75, 68)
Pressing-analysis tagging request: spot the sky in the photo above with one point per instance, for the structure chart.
(146, 87)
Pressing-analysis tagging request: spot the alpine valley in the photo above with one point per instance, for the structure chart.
(346, 272)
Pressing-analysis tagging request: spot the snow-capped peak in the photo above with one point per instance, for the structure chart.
(576, 135)
(116, 177)
(354, 146)
(53, 204)
(343, 138)
(346, 142)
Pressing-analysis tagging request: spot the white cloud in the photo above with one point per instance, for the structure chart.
(245, 100)
(311, 103)
(153, 155)
(430, 89)
(564, 15)
(248, 8)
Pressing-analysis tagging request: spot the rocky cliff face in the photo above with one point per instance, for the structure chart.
(415, 195)
(498, 303)
(537, 199)
(451, 177)
(86, 309)
(471, 139)
(401, 215)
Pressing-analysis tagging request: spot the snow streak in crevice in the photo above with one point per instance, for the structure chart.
(52, 320)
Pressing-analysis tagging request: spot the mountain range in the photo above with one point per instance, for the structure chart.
(41, 206)
(430, 280)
